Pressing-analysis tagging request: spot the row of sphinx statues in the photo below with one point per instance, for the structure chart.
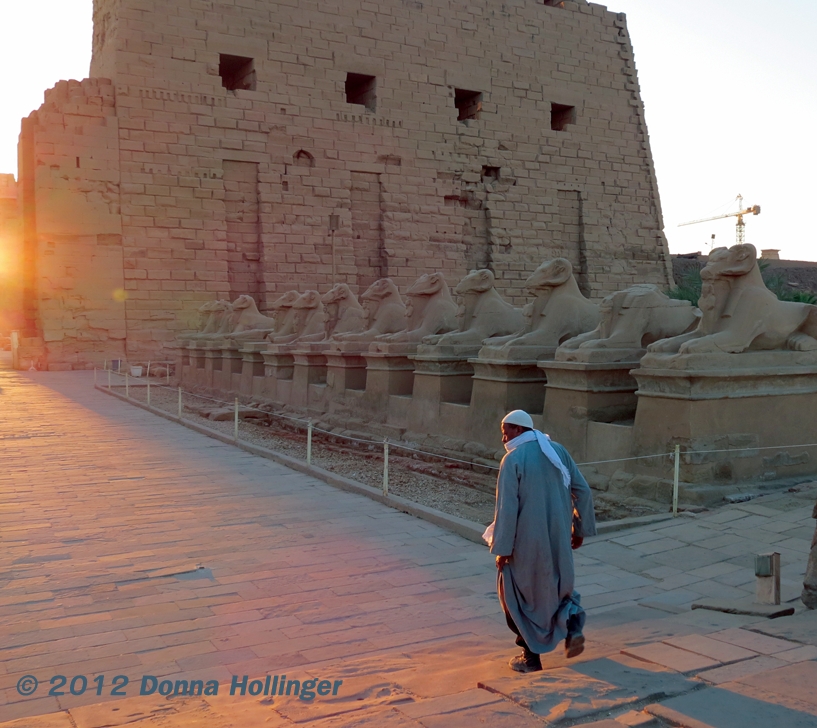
(737, 313)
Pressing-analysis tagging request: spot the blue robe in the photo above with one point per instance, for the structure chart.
(533, 520)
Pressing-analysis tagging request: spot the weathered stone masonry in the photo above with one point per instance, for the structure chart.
(222, 148)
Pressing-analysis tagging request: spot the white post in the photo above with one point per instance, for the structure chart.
(309, 443)
(675, 481)
(109, 378)
(127, 388)
(385, 467)
(15, 349)
(180, 402)
(235, 426)
(148, 389)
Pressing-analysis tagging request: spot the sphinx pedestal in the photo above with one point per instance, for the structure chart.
(443, 381)
(500, 386)
(227, 377)
(389, 382)
(196, 370)
(739, 403)
(279, 367)
(186, 363)
(252, 368)
(209, 364)
(579, 394)
(309, 375)
(345, 370)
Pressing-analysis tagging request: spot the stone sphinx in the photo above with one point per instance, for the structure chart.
(344, 314)
(484, 314)
(251, 324)
(430, 310)
(211, 315)
(307, 319)
(221, 323)
(740, 314)
(630, 321)
(558, 313)
(386, 313)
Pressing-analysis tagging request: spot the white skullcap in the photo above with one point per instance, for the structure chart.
(518, 417)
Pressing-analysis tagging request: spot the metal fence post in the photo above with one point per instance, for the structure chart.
(309, 443)
(148, 390)
(675, 481)
(385, 467)
(109, 378)
(235, 427)
(15, 349)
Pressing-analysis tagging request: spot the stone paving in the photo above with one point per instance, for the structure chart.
(132, 546)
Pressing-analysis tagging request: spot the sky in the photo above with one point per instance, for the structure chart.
(729, 86)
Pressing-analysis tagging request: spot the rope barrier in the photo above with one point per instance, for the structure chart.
(311, 428)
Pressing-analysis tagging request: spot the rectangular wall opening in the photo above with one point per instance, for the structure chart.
(561, 116)
(490, 174)
(237, 72)
(360, 89)
(468, 103)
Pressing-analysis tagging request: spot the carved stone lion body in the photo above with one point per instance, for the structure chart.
(631, 320)
(386, 312)
(220, 324)
(283, 313)
(307, 319)
(251, 324)
(344, 314)
(559, 311)
(739, 313)
(211, 315)
(431, 311)
(484, 312)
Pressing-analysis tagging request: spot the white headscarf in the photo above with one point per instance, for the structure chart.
(547, 449)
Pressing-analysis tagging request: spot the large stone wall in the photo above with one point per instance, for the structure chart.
(74, 288)
(337, 156)
(10, 257)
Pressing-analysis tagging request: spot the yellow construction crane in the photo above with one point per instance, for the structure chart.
(740, 227)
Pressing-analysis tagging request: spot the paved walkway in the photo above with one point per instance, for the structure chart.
(130, 546)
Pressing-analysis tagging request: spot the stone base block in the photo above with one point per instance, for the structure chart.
(499, 387)
(308, 378)
(252, 369)
(279, 368)
(438, 380)
(735, 416)
(387, 375)
(345, 370)
(579, 394)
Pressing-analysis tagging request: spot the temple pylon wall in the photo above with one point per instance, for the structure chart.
(220, 149)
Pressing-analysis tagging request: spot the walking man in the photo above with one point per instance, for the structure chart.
(544, 509)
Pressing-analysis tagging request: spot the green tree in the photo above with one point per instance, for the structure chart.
(689, 288)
